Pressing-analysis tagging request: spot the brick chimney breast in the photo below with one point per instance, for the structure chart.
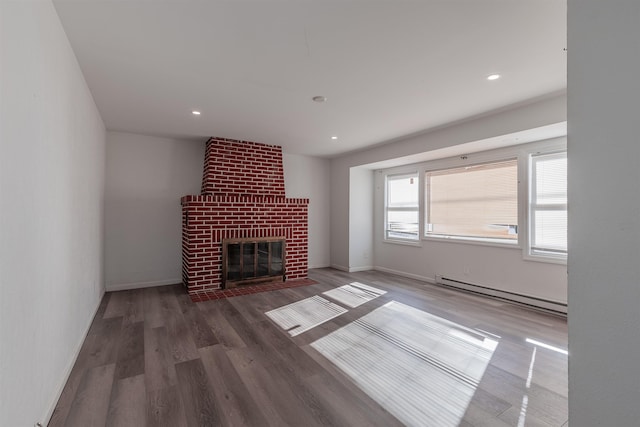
(243, 196)
(242, 168)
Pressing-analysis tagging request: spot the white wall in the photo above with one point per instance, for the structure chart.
(604, 213)
(360, 219)
(51, 210)
(145, 178)
(308, 177)
(339, 214)
(495, 267)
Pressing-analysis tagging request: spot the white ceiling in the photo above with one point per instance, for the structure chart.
(388, 68)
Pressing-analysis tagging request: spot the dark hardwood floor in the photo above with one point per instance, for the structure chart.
(154, 358)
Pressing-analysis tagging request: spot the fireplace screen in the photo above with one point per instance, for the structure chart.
(252, 260)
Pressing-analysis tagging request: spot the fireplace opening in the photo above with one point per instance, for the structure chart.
(252, 260)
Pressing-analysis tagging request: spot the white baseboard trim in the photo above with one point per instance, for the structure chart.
(140, 285)
(69, 367)
(430, 280)
(363, 268)
(351, 269)
(340, 267)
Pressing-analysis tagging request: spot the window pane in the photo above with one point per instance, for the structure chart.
(402, 191)
(551, 179)
(550, 233)
(402, 224)
(476, 201)
(402, 215)
(548, 201)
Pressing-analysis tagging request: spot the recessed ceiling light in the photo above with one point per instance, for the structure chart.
(195, 113)
(334, 137)
(319, 98)
(493, 77)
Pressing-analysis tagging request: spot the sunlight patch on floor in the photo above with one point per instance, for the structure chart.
(525, 398)
(423, 369)
(306, 314)
(354, 294)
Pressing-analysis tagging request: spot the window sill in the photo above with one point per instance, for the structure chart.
(545, 259)
(475, 242)
(416, 243)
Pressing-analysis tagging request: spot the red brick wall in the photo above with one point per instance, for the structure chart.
(244, 168)
(243, 196)
(209, 219)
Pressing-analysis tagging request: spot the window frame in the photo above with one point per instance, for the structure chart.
(489, 241)
(528, 251)
(398, 174)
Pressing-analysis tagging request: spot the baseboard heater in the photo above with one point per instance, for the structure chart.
(526, 300)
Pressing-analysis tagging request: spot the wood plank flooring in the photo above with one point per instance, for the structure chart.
(154, 358)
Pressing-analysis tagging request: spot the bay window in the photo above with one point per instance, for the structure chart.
(510, 197)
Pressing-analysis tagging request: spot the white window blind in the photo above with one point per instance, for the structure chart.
(402, 207)
(476, 202)
(548, 205)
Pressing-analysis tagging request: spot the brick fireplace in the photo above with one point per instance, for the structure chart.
(243, 197)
